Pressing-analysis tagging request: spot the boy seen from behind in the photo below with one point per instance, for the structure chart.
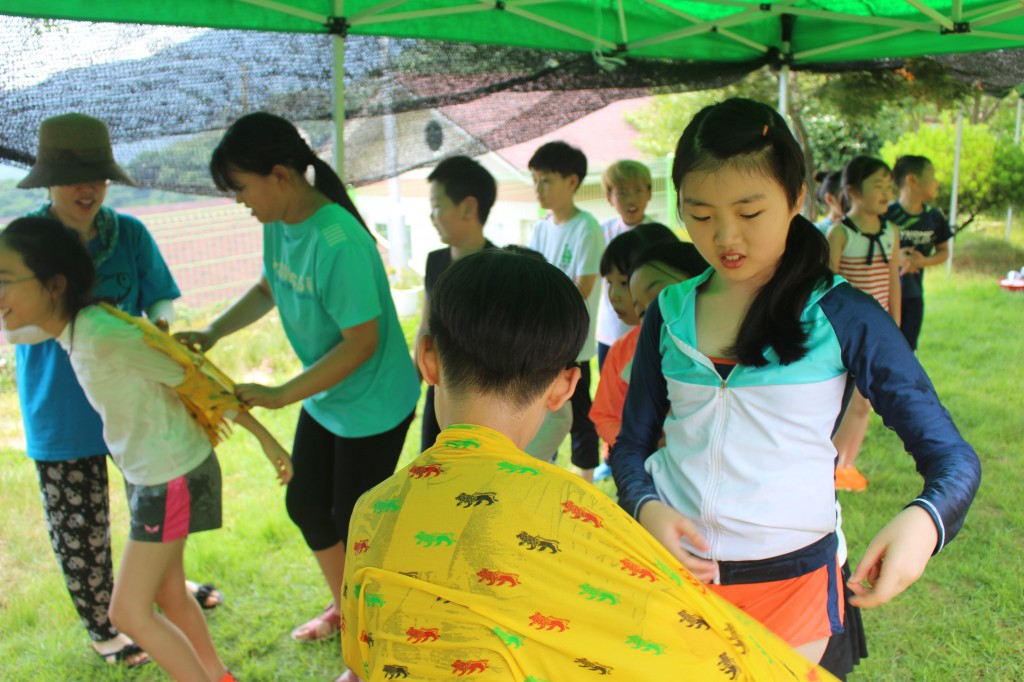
(462, 194)
(572, 241)
(477, 559)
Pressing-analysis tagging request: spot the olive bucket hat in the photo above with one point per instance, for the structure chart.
(73, 148)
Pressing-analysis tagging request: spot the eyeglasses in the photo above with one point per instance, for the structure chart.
(4, 283)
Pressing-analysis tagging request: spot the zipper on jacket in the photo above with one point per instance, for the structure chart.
(715, 462)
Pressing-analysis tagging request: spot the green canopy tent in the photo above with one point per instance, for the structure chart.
(799, 34)
(795, 33)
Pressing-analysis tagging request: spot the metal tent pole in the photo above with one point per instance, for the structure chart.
(398, 255)
(954, 198)
(784, 91)
(1016, 141)
(787, 22)
(338, 100)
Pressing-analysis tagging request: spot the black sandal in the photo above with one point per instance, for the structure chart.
(204, 592)
(123, 654)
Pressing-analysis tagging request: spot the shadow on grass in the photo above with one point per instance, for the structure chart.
(987, 255)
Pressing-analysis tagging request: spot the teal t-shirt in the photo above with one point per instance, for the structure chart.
(326, 275)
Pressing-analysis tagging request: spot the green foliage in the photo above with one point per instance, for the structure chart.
(831, 137)
(842, 114)
(920, 88)
(183, 163)
(835, 140)
(301, 104)
(991, 166)
(16, 202)
(661, 122)
(1003, 118)
(405, 278)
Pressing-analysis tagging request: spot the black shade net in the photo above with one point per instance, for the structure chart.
(167, 109)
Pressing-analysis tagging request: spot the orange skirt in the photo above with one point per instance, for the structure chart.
(799, 610)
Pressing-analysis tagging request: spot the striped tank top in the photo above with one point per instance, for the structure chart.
(865, 260)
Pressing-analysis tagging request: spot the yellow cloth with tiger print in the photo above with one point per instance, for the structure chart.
(208, 393)
(480, 561)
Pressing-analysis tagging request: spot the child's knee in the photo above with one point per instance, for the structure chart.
(171, 598)
(125, 614)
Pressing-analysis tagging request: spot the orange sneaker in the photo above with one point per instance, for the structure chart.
(848, 478)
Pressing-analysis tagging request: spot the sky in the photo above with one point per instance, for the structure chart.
(43, 49)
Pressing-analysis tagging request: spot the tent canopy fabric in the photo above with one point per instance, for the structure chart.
(801, 31)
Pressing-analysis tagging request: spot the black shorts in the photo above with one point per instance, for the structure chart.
(171, 511)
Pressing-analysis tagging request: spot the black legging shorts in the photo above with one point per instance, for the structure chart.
(331, 472)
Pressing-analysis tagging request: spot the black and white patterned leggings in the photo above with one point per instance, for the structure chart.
(77, 505)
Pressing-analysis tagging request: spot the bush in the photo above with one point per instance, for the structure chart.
(991, 166)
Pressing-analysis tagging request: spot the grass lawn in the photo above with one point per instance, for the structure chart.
(961, 621)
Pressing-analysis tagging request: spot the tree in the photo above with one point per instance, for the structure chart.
(834, 116)
(991, 166)
(828, 138)
(182, 165)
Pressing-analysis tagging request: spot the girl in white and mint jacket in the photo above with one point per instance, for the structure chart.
(753, 363)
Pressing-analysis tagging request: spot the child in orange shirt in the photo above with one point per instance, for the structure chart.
(654, 265)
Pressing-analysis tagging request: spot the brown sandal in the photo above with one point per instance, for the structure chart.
(321, 627)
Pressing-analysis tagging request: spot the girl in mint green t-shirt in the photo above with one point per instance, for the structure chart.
(322, 271)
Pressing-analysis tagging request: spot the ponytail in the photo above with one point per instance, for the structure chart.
(257, 142)
(774, 317)
(330, 185)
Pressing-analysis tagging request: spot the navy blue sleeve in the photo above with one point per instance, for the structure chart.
(888, 374)
(643, 418)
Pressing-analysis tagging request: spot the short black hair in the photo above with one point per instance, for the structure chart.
(860, 168)
(561, 158)
(678, 255)
(506, 323)
(623, 248)
(909, 165)
(462, 177)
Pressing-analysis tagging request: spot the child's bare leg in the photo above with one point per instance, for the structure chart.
(185, 613)
(850, 434)
(144, 570)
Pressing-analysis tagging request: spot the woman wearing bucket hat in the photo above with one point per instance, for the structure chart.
(64, 434)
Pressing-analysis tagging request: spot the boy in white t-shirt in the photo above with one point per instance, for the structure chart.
(572, 241)
(627, 186)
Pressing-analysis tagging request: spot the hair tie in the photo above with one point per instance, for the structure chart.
(764, 133)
